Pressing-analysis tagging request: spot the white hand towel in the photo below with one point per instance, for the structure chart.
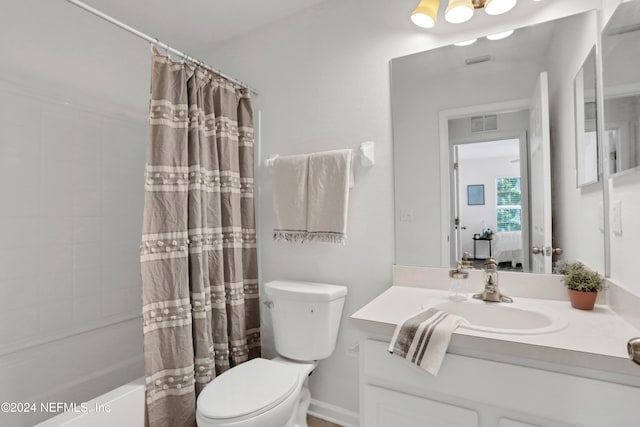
(423, 338)
(328, 192)
(290, 174)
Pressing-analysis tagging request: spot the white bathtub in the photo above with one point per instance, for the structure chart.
(122, 407)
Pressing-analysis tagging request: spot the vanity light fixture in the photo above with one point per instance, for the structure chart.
(458, 11)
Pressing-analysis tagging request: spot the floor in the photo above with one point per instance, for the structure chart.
(316, 422)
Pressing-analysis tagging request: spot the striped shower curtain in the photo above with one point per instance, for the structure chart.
(198, 252)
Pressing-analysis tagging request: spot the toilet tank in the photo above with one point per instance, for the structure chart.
(306, 317)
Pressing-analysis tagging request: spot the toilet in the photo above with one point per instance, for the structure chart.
(274, 393)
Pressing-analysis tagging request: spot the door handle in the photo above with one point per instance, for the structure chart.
(537, 251)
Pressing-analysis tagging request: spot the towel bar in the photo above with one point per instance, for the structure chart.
(366, 153)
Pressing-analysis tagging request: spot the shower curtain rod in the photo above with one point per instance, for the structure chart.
(158, 43)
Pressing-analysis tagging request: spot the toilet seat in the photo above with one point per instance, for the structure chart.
(248, 390)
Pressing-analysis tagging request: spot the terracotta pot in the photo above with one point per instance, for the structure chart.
(582, 300)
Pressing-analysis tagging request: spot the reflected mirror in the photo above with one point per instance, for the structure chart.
(621, 78)
(586, 122)
(497, 114)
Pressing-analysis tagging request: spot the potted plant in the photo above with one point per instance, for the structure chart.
(488, 234)
(582, 283)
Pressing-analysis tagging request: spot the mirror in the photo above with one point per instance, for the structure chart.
(621, 140)
(586, 122)
(517, 96)
(621, 87)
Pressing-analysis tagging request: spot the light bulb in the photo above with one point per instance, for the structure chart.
(423, 20)
(466, 42)
(459, 11)
(426, 13)
(498, 7)
(500, 36)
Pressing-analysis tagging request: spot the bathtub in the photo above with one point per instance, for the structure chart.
(122, 407)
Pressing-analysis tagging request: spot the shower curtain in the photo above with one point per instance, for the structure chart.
(198, 252)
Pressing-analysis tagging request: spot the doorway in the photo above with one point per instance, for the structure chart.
(489, 192)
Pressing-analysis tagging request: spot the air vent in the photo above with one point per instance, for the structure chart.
(483, 123)
(477, 59)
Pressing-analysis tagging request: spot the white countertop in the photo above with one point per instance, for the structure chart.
(592, 344)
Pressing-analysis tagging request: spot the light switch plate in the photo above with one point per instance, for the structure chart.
(406, 215)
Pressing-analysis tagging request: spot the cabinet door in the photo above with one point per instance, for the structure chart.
(387, 408)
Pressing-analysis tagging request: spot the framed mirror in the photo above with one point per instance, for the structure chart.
(621, 87)
(584, 86)
(499, 114)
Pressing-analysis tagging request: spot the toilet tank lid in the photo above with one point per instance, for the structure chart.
(305, 291)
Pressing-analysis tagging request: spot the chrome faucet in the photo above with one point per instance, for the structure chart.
(491, 291)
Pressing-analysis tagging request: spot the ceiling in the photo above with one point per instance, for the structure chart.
(57, 45)
(195, 25)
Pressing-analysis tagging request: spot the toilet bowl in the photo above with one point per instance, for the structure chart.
(258, 393)
(274, 393)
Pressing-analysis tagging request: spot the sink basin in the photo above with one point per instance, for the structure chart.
(501, 318)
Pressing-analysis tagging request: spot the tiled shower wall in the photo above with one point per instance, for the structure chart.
(71, 197)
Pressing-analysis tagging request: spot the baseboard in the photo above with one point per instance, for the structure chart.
(334, 414)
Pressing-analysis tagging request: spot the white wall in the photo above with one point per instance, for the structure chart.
(73, 138)
(576, 212)
(323, 77)
(625, 189)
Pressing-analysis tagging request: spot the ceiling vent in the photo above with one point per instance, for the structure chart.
(483, 123)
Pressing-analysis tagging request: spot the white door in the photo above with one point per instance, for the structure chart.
(525, 202)
(455, 247)
(540, 178)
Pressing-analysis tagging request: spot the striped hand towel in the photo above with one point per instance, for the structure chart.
(423, 338)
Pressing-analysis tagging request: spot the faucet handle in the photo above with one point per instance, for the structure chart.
(458, 273)
(466, 262)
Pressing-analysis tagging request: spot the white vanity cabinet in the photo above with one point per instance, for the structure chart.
(470, 392)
